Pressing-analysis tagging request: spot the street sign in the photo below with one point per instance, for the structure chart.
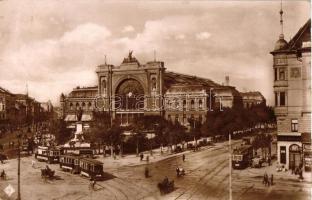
(9, 190)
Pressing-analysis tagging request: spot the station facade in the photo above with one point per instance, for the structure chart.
(132, 90)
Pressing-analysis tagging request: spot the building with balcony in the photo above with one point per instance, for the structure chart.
(292, 91)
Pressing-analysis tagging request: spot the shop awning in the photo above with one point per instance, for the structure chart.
(71, 118)
(86, 118)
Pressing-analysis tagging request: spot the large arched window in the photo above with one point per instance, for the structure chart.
(154, 84)
(192, 104)
(184, 104)
(200, 104)
(129, 95)
(104, 86)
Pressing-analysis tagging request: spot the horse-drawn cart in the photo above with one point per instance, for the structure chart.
(47, 173)
(166, 186)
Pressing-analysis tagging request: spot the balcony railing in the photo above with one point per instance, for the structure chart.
(281, 83)
(282, 110)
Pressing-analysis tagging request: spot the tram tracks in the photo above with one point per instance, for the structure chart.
(212, 172)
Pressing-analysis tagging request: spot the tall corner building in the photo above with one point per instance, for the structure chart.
(292, 90)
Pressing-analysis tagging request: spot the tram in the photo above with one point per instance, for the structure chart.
(91, 168)
(242, 157)
(83, 152)
(50, 155)
(87, 167)
(70, 163)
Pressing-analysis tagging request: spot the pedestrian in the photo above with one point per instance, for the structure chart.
(300, 174)
(272, 179)
(146, 172)
(141, 156)
(269, 160)
(265, 179)
(147, 158)
(183, 157)
(178, 171)
(33, 164)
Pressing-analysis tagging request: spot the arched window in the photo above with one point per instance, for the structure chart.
(176, 104)
(103, 86)
(192, 104)
(77, 104)
(129, 95)
(200, 104)
(154, 84)
(184, 104)
(71, 106)
(83, 105)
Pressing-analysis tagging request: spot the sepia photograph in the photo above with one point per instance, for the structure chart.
(155, 100)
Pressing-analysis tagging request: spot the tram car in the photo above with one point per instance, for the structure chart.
(87, 167)
(91, 168)
(83, 152)
(70, 163)
(242, 157)
(50, 155)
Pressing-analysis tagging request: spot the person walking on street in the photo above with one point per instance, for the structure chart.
(183, 157)
(141, 156)
(265, 179)
(272, 179)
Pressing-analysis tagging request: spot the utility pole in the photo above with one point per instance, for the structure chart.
(19, 168)
(230, 166)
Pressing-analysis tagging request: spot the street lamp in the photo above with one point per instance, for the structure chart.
(18, 167)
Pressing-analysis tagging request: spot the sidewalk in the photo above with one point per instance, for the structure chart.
(134, 160)
(286, 175)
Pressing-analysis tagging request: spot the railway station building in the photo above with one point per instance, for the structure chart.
(132, 89)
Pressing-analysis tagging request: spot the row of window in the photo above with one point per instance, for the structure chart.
(280, 98)
(185, 118)
(83, 105)
(280, 74)
(176, 104)
(2, 108)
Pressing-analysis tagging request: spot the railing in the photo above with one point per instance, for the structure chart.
(282, 110)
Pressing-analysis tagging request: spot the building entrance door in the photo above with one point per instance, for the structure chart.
(283, 155)
(294, 156)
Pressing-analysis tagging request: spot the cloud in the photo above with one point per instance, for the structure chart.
(59, 49)
(180, 37)
(87, 34)
(127, 29)
(203, 35)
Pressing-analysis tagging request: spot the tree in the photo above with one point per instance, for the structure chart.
(98, 129)
(195, 129)
(114, 136)
(60, 131)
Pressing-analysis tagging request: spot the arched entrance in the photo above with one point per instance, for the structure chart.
(294, 156)
(129, 101)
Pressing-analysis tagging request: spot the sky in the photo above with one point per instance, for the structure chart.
(50, 47)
